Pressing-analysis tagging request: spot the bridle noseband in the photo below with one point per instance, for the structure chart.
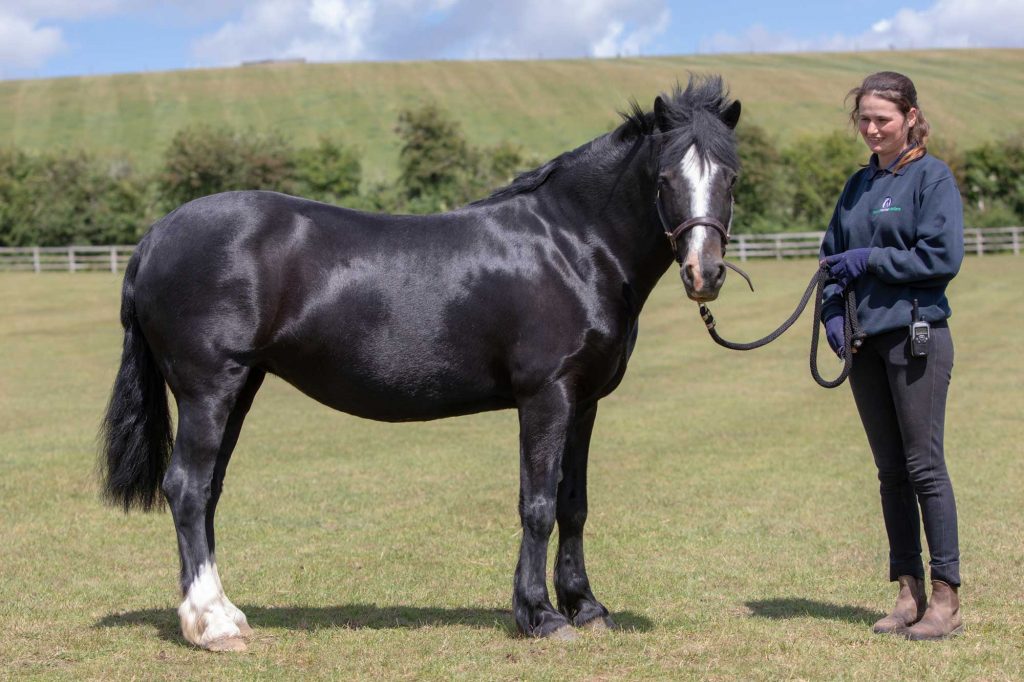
(683, 227)
(674, 235)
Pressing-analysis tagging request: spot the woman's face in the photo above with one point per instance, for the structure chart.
(883, 127)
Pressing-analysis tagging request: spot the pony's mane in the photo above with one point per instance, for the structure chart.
(528, 181)
(693, 116)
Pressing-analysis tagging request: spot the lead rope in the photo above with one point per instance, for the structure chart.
(851, 328)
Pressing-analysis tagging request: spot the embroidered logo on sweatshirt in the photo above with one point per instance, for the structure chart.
(887, 207)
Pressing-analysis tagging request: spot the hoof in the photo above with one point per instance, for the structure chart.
(245, 631)
(888, 631)
(914, 637)
(233, 643)
(600, 624)
(563, 634)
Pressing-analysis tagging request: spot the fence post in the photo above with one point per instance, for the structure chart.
(71, 259)
(113, 259)
(778, 248)
(36, 265)
(979, 247)
(743, 247)
(1015, 233)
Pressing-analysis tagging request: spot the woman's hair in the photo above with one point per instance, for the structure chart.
(900, 90)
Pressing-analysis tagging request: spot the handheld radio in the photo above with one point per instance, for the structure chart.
(920, 333)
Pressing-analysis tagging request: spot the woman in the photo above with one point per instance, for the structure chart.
(896, 237)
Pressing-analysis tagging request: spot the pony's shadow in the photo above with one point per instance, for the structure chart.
(350, 616)
(795, 607)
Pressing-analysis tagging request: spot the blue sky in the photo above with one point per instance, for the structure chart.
(43, 38)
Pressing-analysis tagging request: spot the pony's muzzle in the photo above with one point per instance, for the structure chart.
(703, 280)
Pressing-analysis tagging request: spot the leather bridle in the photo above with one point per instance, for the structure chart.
(682, 228)
(675, 234)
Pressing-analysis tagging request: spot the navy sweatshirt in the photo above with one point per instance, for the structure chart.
(912, 220)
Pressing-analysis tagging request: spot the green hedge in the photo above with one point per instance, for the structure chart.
(71, 197)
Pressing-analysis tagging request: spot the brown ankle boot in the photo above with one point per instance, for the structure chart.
(910, 606)
(942, 619)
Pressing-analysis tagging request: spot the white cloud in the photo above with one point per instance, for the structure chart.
(323, 30)
(947, 23)
(342, 17)
(74, 10)
(318, 30)
(24, 44)
(58, 9)
(559, 28)
(953, 23)
(26, 39)
(618, 37)
(30, 32)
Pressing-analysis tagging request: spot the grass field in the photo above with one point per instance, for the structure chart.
(735, 530)
(970, 96)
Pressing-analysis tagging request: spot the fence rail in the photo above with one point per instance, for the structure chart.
(977, 241)
(65, 258)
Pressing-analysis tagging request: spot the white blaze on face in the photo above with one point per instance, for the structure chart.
(700, 177)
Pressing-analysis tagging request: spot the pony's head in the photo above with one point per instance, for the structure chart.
(697, 169)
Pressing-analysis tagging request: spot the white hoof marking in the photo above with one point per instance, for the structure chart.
(206, 613)
(233, 611)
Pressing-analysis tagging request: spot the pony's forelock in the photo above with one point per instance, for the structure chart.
(693, 116)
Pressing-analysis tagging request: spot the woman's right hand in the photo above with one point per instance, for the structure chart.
(847, 266)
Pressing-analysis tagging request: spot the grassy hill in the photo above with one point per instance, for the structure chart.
(545, 106)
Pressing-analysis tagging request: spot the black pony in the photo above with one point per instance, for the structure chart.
(527, 299)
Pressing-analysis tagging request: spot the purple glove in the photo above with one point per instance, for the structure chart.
(834, 334)
(848, 265)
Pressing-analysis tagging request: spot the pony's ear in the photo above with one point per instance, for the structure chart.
(661, 114)
(731, 116)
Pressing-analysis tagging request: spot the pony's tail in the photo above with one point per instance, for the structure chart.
(136, 432)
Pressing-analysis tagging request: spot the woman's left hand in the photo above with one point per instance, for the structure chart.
(847, 266)
(834, 334)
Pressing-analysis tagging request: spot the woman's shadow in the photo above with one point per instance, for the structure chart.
(796, 607)
(349, 616)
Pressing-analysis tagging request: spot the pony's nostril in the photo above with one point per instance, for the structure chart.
(687, 274)
(712, 274)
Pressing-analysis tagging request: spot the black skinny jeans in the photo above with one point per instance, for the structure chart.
(902, 403)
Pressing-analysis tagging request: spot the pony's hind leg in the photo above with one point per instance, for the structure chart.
(233, 428)
(206, 423)
(572, 586)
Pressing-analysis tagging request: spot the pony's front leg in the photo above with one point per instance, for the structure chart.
(544, 421)
(572, 587)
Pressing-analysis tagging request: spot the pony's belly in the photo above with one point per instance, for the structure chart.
(396, 394)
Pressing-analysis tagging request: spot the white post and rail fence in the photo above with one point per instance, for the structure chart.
(977, 241)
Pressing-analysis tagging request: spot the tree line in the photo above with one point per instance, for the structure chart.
(72, 197)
